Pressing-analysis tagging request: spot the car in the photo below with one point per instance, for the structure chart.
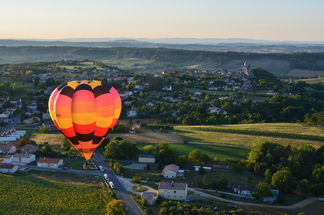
(26, 168)
(65, 168)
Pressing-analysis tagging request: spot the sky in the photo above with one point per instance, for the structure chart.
(294, 20)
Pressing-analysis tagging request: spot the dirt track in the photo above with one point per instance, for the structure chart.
(149, 137)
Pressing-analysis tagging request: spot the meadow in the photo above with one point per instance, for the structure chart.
(228, 141)
(22, 193)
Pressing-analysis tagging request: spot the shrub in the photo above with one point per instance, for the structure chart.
(281, 199)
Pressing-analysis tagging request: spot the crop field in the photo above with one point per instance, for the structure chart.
(304, 73)
(21, 194)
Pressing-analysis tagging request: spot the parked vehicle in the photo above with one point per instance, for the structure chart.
(111, 184)
(101, 168)
(106, 177)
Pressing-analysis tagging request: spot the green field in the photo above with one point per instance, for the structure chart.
(23, 194)
(235, 146)
(276, 67)
(313, 80)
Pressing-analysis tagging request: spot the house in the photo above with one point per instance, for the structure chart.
(170, 171)
(124, 94)
(246, 190)
(32, 107)
(138, 87)
(46, 116)
(29, 149)
(8, 168)
(168, 88)
(174, 191)
(4, 116)
(214, 110)
(50, 162)
(7, 149)
(150, 104)
(167, 97)
(132, 112)
(8, 158)
(150, 197)
(25, 158)
(176, 100)
(199, 94)
(271, 92)
(142, 158)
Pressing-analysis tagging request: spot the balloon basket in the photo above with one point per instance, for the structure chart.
(86, 165)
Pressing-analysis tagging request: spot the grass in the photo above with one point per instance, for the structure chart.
(194, 177)
(140, 189)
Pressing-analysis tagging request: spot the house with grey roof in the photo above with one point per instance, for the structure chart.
(150, 197)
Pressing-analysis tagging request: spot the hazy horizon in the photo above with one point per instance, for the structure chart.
(290, 20)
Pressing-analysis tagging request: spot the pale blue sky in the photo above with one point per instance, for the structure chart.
(301, 20)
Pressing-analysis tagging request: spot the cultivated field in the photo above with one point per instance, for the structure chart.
(313, 80)
(304, 73)
(23, 193)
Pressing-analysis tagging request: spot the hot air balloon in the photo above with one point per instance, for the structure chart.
(85, 112)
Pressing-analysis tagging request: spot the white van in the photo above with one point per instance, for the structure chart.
(101, 168)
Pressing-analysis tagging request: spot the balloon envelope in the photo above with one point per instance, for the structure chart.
(85, 112)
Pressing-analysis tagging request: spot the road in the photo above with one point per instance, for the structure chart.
(9, 126)
(119, 188)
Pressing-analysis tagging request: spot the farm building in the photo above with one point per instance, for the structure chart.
(244, 189)
(8, 168)
(170, 171)
(49, 162)
(150, 197)
(142, 158)
(174, 191)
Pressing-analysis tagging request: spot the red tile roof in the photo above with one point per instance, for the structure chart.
(49, 160)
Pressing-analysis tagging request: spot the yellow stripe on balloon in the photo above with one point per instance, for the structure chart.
(84, 118)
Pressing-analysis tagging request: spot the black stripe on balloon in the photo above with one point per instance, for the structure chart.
(99, 90)
(85, 137)
(106, 86)
(74, 140)
(83, 87)
(97, 140)
(68, 91)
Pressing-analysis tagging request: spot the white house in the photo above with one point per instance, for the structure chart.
(132, 112)
(170, 171)
(174, 191)
(168, 88)
(24, 158)
(8, 168)
(49, 162)
(214, 110)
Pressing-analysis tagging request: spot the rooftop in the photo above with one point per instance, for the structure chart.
(171, 167)
(172, 186)
(49, 160)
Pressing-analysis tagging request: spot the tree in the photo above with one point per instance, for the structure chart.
(43, 129)
(197, 156)
(318, 174)
(64, 142)
(204, 183)
(201, 171)
(264, 189)
(23, 141)
(268, 176)
(284, 181)
(304, 186)
(223, 182)
(115, 207)
(149, 149)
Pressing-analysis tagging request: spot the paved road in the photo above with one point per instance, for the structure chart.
(119, 188)
(15, 120)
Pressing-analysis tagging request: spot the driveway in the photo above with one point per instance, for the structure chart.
(126, 182)
(136, 166)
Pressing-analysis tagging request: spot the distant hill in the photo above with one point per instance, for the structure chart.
(236, 45)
